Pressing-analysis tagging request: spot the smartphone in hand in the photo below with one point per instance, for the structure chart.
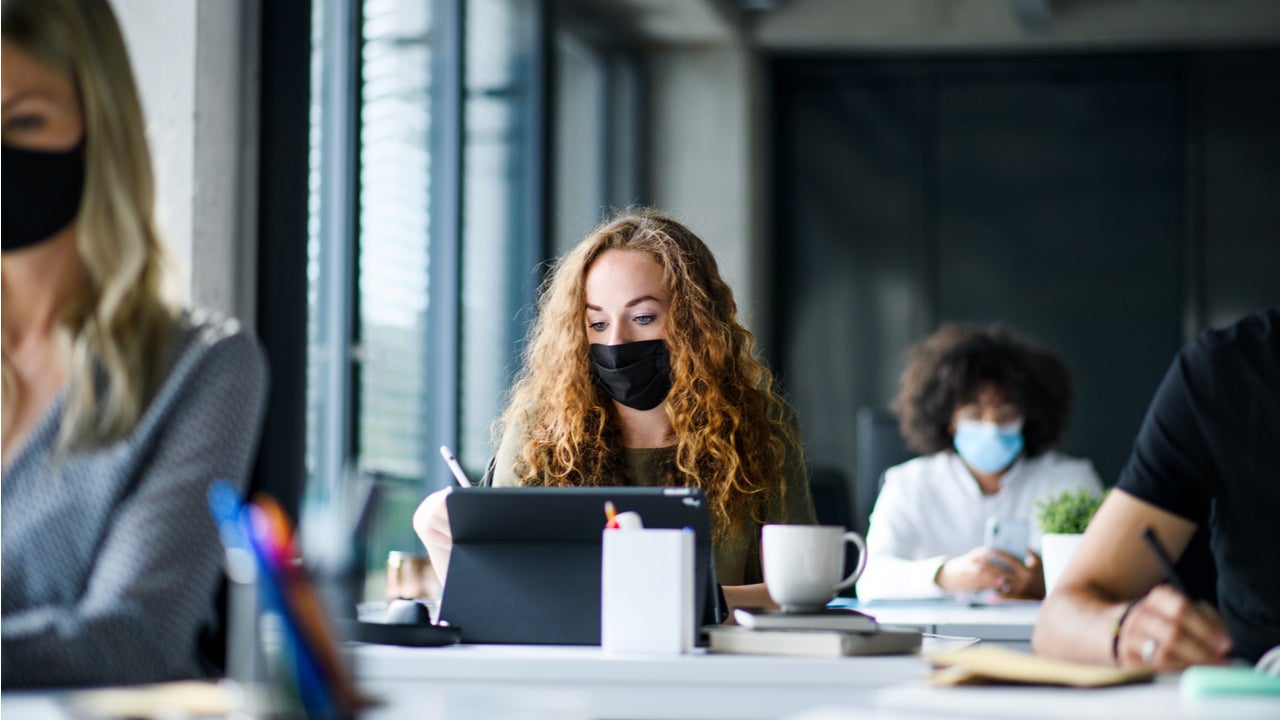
(1008, 535)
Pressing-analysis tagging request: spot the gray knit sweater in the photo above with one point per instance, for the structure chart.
(110, 557)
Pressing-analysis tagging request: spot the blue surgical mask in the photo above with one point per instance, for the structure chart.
(986, 446)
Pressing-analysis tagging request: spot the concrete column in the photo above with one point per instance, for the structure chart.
(196, 65)
(704, 157)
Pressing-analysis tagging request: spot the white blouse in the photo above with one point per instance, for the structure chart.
(931, 510)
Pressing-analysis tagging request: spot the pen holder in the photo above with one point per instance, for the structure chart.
(246, 664)
(646, 591)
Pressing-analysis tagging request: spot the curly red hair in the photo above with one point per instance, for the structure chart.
(732, 430)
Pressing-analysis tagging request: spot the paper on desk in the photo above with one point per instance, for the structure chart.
(160, 700)
(987, 664)
(181, 698)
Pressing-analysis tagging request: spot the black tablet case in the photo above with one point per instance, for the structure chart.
(525, 566)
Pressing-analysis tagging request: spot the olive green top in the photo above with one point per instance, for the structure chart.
(738, 558)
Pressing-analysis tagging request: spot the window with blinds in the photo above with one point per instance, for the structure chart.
(370, 238)
(393, 227)
(501, 234)
(424, 239)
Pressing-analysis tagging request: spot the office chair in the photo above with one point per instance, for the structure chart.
(830, 491)
(879, 446)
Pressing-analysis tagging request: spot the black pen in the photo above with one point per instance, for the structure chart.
(1166, 563)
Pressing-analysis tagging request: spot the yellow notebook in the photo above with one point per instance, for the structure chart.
(162, 700)
(990, 664)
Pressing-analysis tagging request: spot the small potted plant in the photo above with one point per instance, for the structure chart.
(1063, 518)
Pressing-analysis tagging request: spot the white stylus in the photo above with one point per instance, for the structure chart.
(454, 467)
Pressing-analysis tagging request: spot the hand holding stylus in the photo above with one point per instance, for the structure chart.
(1168, 629)
(431, 519)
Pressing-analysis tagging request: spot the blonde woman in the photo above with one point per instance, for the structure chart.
(638, 372)
(119, 407)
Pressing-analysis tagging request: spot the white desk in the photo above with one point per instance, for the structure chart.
(580, 683)
(577, 683)
(584, 682)
(31, 705)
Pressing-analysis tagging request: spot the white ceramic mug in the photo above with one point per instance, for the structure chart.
(803, 564)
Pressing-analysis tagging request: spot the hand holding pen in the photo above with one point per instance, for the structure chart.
(1168, 629)
(431, 519)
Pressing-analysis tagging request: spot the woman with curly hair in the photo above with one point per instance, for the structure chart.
(985, 406)
(638, 373)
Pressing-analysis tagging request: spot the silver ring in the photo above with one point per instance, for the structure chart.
(1148, 651)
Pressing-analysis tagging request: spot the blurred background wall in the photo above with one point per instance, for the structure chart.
(379, 186)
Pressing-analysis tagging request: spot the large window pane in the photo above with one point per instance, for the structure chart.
(393, 241)
(426, 228)
(424, 239)
(580, 139)
(600, 123)
(499, 233)
(394, 163)
(368, 255)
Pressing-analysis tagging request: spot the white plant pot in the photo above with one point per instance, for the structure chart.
(1055, 552)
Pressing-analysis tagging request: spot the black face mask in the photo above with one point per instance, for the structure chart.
(636, 374)
(42, 192)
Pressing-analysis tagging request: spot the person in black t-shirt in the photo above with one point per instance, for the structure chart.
(1208, 454)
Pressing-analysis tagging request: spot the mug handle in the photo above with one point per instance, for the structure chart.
(861, 544)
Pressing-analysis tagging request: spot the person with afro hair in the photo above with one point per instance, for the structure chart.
(985, 407)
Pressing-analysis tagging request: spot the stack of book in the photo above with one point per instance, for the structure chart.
(832, 632)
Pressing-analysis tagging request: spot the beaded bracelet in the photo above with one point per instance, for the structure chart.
(1115, 632)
